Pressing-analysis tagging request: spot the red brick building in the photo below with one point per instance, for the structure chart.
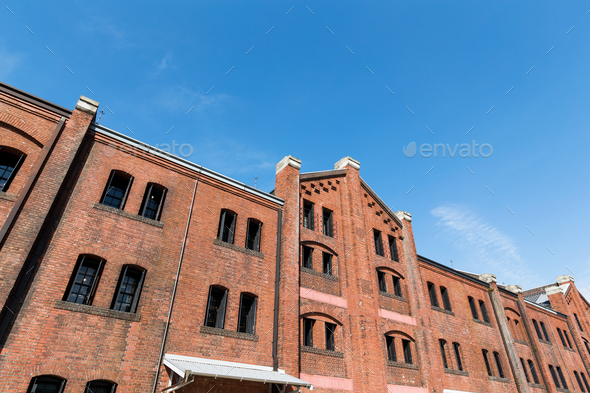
(126, 269)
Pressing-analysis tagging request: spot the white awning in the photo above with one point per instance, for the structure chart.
(188, 365)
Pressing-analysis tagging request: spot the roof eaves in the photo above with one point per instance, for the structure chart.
(34, 100)
(453, 271)
(545, 308)
(322, 174)
(185, 163)
(381, 203)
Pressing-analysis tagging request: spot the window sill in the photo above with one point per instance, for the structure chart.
(228, 333)
(122, 213)
(320, 351)
(456, 372)
(93, 310)
(569, 349)
(545, 342)
(231, 246)
(482, 322)
(8, 197)
(391, 295)
(498, 379)
(324, 275)
(562, 390)
(536, 385)
(521, 342)
(442, 310)
(412, 366)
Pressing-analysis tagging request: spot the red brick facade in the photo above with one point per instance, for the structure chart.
(318, 280)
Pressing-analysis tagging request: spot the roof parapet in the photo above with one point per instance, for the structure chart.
(87, 105)
(553, 290)
(288, 161)
(403, 215)
(347, 161)
(514, 288)
(488, 277)
(563, 279)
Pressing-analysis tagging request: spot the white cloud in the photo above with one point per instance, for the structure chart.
(184, 97)
(485, 248)
(9, 62)
(165, 62)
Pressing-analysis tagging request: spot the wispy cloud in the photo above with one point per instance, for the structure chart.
(107, 28)
(9, 61)
(165, 62)
(177, 97)
(485, 248)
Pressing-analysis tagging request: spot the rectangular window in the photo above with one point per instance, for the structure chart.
(578, 322)
(517, 331)
(330, 329)
(307, 257)
(393, 248)
(442, 345)
(561, 337)
(579, 382)
(473, 309)
(382, 282)
(327, 258)
(378, 242)
(216, 307)
(83, 282)
(308, 332)
(486, 361)
(458, 356)
(128, 289)
(227, 226)
(567, 338)
(536, 325)
(554, 376)
(544, 331)
(253, 235)
(561, 377)
(308, 215)
(390, 342)
(498, 364)
(407, 351)
(432, 294)
(524, 370)
(117, 189)
(484, 311)
(533, 371)
(444, 294)
(247, 317)
(327, 219)
(397, 287)
(152, 203)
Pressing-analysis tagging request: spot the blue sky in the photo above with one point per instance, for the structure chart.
(319, 86)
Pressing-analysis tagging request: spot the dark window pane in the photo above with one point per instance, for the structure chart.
(378, 242)
(253, 234)
(216, 307)
(533, 371)
(585, 382)
(487, 362)
(82, 285)
(498, 364)
(432, 294)
(444, 293)
(536, 325)
(407, 351)
(100, 387)
(473, 309)
(561, 377)
(9, 165)
(327, 263)
(330, 329)
(442, 345)
(390, 342)
(152, 203)
(554, 376)
(308, 215)
(397, 287)
(46, 384)
(393, 248)
(526, 374)
(382, 282)
(307, 257)
(578, 322)
(247, 318)
(327, 220)
(567, 338)
(561, 337)
(308, 332)
(579, 382)
(484, 311)
(227, 226)
(544, 331)
(116, 191)
(458, 356)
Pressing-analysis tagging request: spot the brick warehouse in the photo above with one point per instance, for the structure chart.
(126, 269)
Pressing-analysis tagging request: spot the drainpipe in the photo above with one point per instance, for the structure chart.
(188, 221)
(275, 328)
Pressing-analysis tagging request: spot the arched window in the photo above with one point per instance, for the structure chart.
(444, 294)
(404, 343)
(314, 325)
(227, 226)
(247, 317)
(253, 234)
(10, 162)
(46, 384)
(533, 371)
(544, 330)
(484, 311)
(216, 305)
(117, 188)
(128, 288)
(457, 351)
(487, 361)
(84, 280)
(473, 309)
(499, 365)
(442, 344)
(383, 276)
(100, 386)
(536, 325)
(153, 200)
